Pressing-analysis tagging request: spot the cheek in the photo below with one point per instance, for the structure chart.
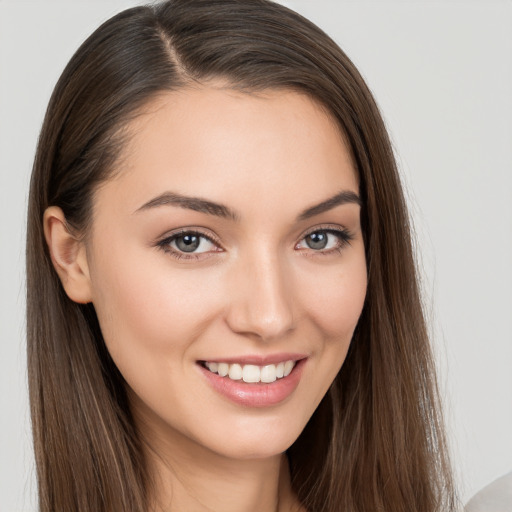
(334, 304)
(145, 311)
(336, 300)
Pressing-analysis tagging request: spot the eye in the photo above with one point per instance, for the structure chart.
(188, 244)
(191, 242)
(325, 240)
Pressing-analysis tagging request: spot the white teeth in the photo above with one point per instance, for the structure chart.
(235, 372)
(288, 367)
(222, 370)
(251, 373)
(269, 373)
(213, 367)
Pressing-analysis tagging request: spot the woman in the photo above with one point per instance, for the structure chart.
(222, 303)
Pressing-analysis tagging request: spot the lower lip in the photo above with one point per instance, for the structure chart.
(256, 394)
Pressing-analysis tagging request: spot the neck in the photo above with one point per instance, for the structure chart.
(236, 486)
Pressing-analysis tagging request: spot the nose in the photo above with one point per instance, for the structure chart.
(261, 298)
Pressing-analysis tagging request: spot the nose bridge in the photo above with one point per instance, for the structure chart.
(262, 300)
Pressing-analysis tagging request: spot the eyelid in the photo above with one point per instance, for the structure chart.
(341, 232)
(164, 242)
(329, 228)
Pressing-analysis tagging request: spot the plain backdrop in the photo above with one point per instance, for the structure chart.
(442, 74)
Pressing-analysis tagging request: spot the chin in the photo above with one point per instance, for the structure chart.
(256, 439)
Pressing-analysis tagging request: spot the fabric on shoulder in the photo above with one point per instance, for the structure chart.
(496, 497)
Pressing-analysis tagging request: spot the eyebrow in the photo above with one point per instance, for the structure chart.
(219, 210)
(191, 203)
(343, 197)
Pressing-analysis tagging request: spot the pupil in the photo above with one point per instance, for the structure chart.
(187, 243)
(317, 240)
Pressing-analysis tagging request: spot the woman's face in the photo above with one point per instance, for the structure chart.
(229, 241)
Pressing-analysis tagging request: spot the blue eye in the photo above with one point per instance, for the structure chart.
(188, 244)
(325, 240)
(317, 240)
(195, 245)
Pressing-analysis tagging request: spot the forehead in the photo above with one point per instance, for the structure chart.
(230, 146)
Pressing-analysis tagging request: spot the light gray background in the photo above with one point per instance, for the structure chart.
(442, 74)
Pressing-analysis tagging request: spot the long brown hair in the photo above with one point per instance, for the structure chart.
(376, 442)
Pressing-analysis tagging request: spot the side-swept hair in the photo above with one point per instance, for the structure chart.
(376, 442)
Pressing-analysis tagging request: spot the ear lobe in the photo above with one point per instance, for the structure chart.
(68, 256)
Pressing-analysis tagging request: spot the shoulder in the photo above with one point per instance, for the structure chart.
(496, 497)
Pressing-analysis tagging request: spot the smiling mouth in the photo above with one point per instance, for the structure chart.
(251, 373)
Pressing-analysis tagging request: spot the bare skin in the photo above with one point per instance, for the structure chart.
(275, 267)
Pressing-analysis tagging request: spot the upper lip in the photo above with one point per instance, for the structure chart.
(258, 360)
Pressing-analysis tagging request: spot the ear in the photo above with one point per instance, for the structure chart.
(68, 256)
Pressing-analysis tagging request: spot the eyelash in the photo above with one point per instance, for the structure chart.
(344, 239)
(165, 244)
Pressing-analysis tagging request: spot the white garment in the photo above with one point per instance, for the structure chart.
(496, 497)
